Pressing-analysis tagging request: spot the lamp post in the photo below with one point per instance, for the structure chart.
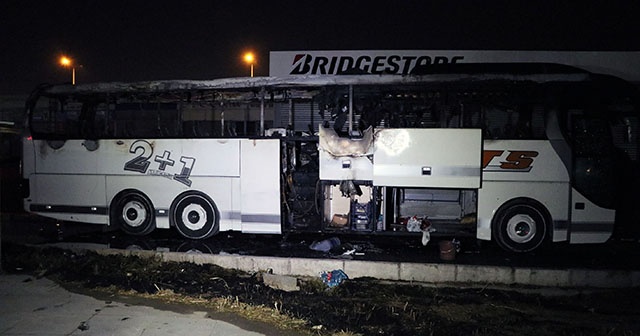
(250, 58)
(68, 63)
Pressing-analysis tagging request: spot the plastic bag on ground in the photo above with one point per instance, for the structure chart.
(425, 227)
(413, 224)
(333, 278)
(325, 245)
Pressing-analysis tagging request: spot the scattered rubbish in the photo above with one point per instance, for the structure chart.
(325, 245)
(333, 278)
(447, 250)
(416, 224)
(425, 227)
(426, 237)
(342, 248)
(339, 221)
(349, 252)
(413, 224)
(345, 251)
(457, 244)
(83, 326)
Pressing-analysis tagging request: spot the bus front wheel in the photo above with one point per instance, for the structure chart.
(521, 226)
(195, 215)
(132, 212)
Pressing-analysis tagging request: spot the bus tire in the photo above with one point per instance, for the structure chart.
(195, 215)
(133, 213)
(521, 225)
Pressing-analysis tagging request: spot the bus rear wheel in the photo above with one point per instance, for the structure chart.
(132, 212)
(195, 215)
(521, 226)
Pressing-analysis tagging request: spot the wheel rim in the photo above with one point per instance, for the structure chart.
(521, 228)
(134, 214)
(194, 217)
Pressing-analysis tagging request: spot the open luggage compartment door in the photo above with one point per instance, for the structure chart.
(433, 158)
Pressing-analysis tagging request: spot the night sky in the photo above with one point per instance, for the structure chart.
(147, 40)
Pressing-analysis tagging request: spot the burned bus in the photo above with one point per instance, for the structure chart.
(522, 154)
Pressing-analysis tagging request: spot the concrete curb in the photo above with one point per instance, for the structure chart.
(436, 274)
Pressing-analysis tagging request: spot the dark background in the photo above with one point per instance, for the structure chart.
(148, 40)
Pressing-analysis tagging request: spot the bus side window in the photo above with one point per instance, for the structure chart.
(538, 122)
(495, 121)
(169, 123)
(519, 123)
(189, 128)
(64, 119)
(472, 116)
(42, 117)
(91, 121)
(120, 121)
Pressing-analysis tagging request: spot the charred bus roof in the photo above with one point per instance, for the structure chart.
(466, 72)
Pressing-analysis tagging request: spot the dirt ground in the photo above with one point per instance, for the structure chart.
(355, 307)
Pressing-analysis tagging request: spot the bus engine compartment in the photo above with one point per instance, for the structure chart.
(334, 185)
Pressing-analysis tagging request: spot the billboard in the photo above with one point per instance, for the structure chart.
(624, 64)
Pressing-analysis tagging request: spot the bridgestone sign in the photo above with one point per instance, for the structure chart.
(304, 64)
(402, 62)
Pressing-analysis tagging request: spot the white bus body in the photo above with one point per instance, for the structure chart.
(74, 184)
(439, 150)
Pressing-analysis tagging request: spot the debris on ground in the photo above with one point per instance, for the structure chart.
(333, 278)
(447, 250)
(360, 305)
(325, 245)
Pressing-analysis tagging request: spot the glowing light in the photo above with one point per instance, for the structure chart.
(250, 58)
(65, 61)
(68, 63)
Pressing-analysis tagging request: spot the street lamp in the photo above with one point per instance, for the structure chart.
(68, 63)
(250, 58)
